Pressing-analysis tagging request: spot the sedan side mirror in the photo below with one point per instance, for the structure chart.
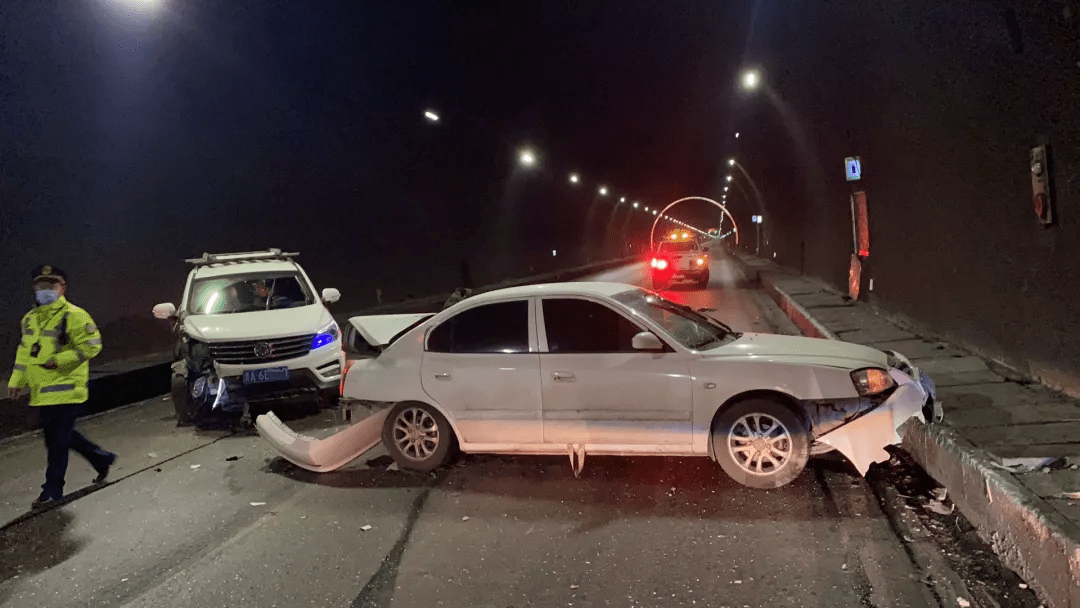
(330, 295)
(165, 311)
(647, 340)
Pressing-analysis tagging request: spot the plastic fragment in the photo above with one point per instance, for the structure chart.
(1070, 495)
(256, 504)
(232, 459)
(152, 455)
(939, 507)
(466, 518)
(195, 466)
(738, 582)
(574, 586)
(939, 493)
(365, 528)
(962, 602)
(1023, 585)
(393, 467)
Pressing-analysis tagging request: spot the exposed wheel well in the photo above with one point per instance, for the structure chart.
(782, 398)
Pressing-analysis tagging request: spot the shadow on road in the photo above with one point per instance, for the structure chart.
(610, 487)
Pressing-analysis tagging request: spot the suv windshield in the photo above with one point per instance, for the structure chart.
(248, 293)
(691, 328)
(680, 247)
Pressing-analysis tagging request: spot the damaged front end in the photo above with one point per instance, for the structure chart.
(860, 428)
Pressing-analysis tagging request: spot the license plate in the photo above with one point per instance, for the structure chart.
(270, 374)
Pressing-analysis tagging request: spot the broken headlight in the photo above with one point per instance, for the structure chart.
(872, 381)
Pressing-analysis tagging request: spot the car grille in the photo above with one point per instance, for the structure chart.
(249, 352)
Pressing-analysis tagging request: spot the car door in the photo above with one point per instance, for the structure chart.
(597, 389)
(482, 366)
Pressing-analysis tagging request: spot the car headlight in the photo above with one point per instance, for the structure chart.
(872, 381)
(325, 336)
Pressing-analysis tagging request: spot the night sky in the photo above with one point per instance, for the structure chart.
(136, 136)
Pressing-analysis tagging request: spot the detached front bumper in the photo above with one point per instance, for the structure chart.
(864, 438)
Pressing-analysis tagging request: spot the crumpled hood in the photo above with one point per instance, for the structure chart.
(815, 351)
(259, 324)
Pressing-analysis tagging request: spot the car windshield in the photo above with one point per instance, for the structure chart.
(680, 247)
(689, 327)
(248, 293)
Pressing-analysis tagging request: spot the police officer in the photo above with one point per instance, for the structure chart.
(58, 339)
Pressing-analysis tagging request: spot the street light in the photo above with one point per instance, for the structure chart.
(635, 204)
(726, 188)
(736, 135)
(574, 178)
(729, 178)
(603, 190)
(431, 116)
(731, 162)
(622, 199)
(527, 158)
(751, 79)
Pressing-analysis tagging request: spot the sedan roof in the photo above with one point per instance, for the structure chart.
(584, 288)
(245, 267)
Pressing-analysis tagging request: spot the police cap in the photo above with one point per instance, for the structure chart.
(46, 271)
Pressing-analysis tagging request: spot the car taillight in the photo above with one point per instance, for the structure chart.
(659, 263)
(344, 372)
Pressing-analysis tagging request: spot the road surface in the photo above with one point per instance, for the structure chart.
(201, 520)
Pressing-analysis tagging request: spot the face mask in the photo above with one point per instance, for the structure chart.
(46, 296)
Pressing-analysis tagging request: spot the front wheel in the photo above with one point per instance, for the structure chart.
(418, 437)
(760, 443)
(183, 403)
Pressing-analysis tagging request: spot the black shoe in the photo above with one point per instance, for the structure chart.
(43, 502)
(104, 471)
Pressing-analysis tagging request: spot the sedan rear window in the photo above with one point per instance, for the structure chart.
(679, 247)
(492, 328)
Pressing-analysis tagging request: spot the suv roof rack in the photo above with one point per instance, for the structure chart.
(248, 256)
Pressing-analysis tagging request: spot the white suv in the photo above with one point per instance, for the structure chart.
(251, 330)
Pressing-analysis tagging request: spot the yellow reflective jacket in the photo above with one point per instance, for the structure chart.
(70, 348)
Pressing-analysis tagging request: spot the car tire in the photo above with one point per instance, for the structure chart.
(753, 430)
(183, 404)
(418, 437)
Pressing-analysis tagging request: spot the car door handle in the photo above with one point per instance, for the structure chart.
(442, 376)
(564, 377)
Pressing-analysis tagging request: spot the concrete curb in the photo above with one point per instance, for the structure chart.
(1028, 535)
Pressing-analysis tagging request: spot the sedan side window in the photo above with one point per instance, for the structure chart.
(493, 328)
(581, 326)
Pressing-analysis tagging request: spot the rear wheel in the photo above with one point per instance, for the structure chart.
(760, 443)
(418, 436)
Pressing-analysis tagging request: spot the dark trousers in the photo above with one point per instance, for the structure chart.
(58, 425)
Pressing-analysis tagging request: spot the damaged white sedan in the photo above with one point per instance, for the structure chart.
(610, 369)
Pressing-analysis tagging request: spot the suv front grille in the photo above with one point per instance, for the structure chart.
(250, 352)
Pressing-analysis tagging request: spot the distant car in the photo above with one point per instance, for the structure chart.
(251, 329)
(606, 368)
(677, 259)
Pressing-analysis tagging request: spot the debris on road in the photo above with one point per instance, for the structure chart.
(392, 467)
(365, 528)
(1069, 495)
(195, 466)
(574, 586)
(738, 582)
(152, 455)
(1025, 465)
(962, 602)
(1023, 585)
(939, 507)
(256, 504)
(232, 459)
(466, 518)
(939, 493)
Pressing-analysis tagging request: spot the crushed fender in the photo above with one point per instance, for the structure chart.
(322, 455)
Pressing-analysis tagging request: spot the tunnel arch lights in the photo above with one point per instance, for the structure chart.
(652, 231)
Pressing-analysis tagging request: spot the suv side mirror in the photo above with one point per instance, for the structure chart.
(647, 340)
(330, 295)
(165, 311)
